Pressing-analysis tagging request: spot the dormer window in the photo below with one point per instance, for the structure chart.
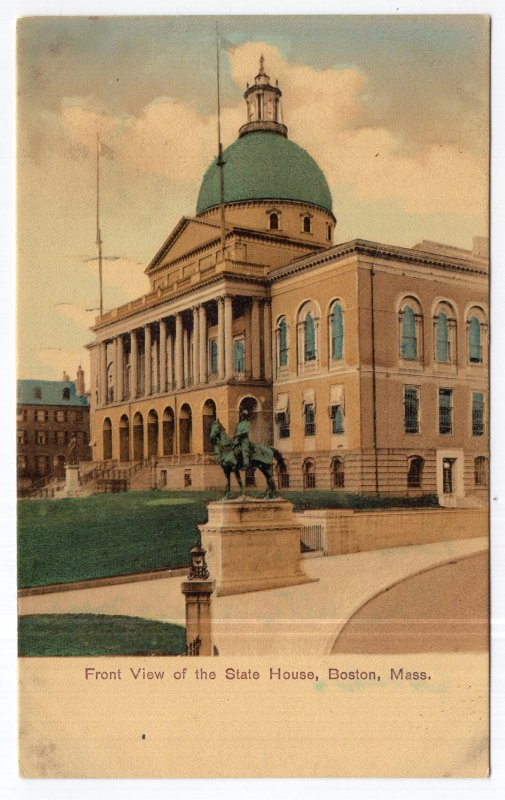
(66, 393)
(37, 393)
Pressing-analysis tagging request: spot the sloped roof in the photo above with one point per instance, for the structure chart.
(51, 393)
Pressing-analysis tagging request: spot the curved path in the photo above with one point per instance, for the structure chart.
(444, 609)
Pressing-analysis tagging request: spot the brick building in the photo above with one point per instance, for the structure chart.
(48, 414)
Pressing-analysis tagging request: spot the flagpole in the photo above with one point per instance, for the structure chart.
(220, 162)
(98, 234)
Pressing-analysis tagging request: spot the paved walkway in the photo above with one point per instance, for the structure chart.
(298, 620)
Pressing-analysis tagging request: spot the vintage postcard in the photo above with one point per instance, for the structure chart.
(253, 396)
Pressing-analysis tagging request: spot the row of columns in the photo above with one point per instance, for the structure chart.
(174, 365)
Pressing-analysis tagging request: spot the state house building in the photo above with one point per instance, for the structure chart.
(364, 363)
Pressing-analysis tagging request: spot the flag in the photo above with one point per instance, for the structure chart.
(105, 151)
(226, 44)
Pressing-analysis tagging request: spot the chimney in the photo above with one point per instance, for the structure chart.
(79, 383)
(65, 377)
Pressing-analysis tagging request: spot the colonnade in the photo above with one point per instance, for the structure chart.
(173, 352)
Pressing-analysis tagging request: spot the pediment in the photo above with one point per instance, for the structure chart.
(187, 234)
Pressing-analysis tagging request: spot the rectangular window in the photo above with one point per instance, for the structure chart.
(61, 437)
(411, 409)
(445, 411)
(79, 416)
(41, 437)
(60, 416)
(337, 420)
(22, 415)
(238, 355)
(310, 420)
(283, 423)
(22, 437)
(477, 414)
(213, 356)
(283, 480)
(41, 415)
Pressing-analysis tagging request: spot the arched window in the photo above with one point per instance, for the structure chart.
(445, 334)
(415, 472)
(309, 474)
(328, 231)
(282, 335)
(209, 414)
(474, 341)
(481, 471)
(66, 393)
(442, 338)
(274, 221)
(309, 339)
(337, 473)
(307, 224)
(337, 332)
(168, 431)
(37, 393)
(409, 338)
(152, 433)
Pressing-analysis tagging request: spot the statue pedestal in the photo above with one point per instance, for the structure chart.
(71, 488)
(252, 544)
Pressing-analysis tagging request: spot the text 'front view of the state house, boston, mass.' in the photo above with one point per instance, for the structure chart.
(364, 363)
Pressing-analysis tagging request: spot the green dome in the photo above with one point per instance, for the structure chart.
(265, 166)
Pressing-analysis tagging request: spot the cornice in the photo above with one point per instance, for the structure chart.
(376, 250)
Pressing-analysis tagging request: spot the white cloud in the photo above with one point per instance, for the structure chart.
(324, 111)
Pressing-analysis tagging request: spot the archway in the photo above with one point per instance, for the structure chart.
(124, 438)
(152, 433)
(107, 439)
(138, 437)
(168, 432)
(208, 417)
(185, 429)
(251, 405)
(59, 466)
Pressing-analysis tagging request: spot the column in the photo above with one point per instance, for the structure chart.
(220, 337)
(267, 340)
(185, 356)
(196, 340)
(228, 337)
(103, 373)
(156, 366)
(134, 361)
(178, 351)
(170, 362)
(120, 369)
(147, 360)
(114, 368)
(202, 331)
(163, 357)
(255, 338)
(248, 341)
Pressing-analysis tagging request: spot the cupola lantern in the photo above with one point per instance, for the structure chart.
(263, 105)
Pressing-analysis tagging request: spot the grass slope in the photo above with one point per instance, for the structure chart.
(109, 534)
(97, 635)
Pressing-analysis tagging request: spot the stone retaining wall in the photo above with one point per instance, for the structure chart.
(346, 531)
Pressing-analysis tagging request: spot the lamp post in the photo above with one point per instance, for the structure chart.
(198, 590)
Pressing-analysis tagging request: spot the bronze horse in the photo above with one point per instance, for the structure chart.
(262, 457)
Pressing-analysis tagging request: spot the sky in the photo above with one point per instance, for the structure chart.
(393, 109)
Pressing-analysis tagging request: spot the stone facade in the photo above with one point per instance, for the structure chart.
(365, 364)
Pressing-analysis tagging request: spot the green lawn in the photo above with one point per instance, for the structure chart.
(108, 534)
(118, 534)
(98, 635)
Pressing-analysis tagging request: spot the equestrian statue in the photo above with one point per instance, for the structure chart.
(239, 453)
